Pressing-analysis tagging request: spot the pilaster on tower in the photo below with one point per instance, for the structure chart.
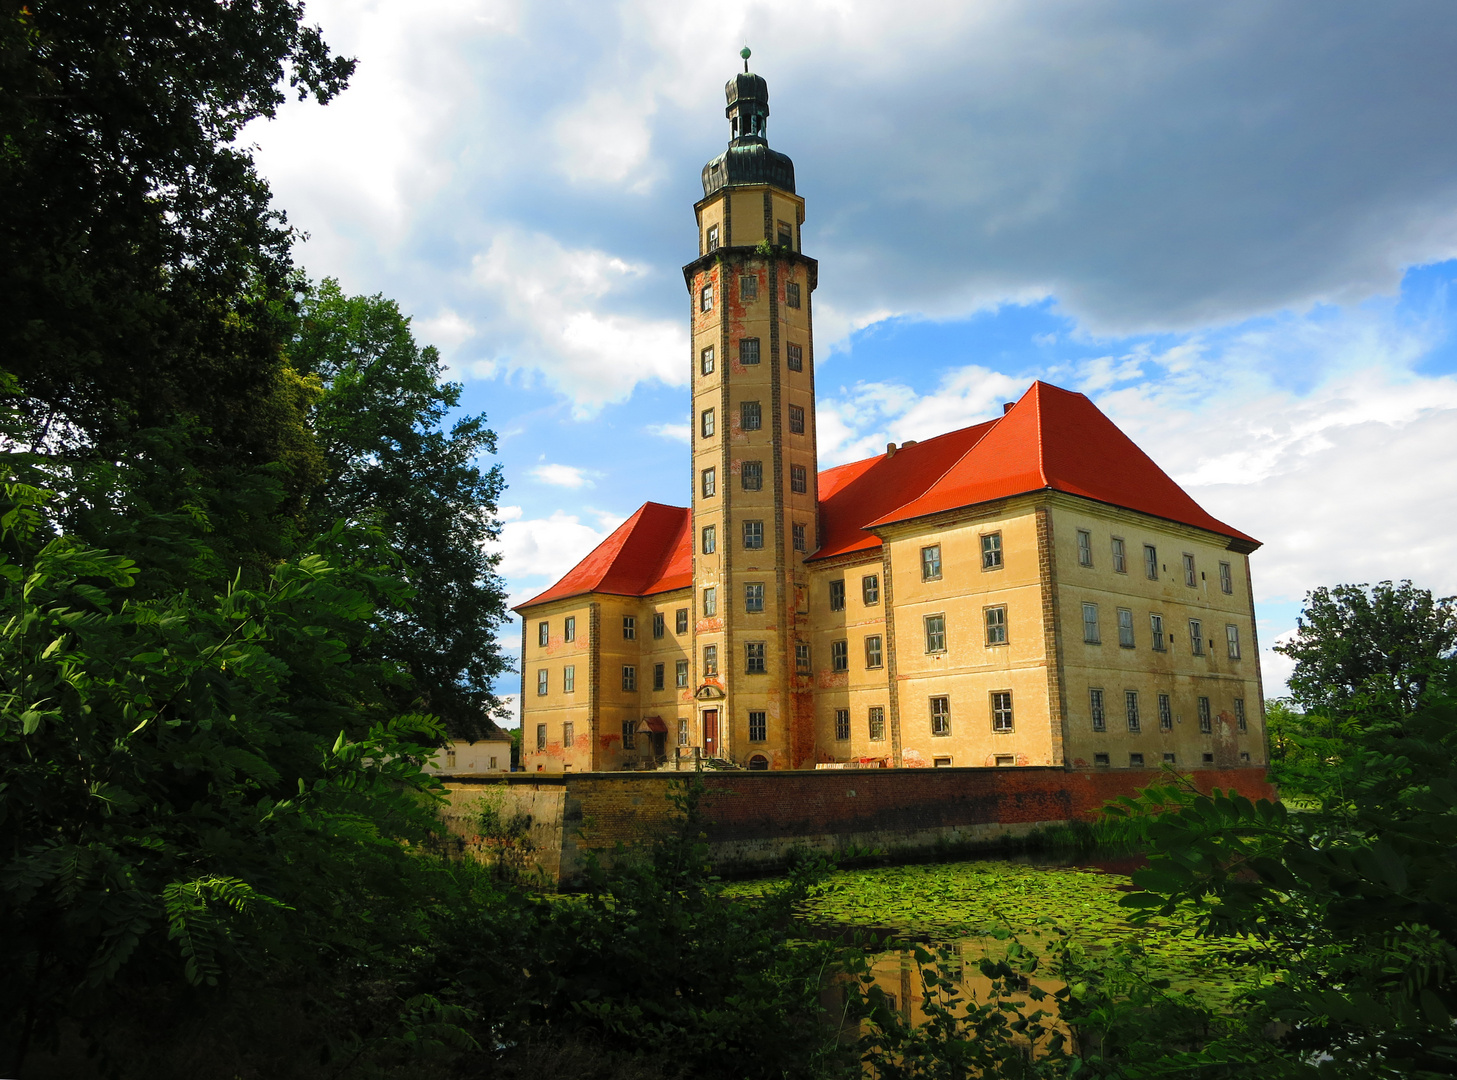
(754, 460)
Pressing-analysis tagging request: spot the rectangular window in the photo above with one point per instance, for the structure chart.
(1085, 548)
(748, 350)
(1120, 558)
(1125, 628)
(569, 629)
(1100, 761)
(1151, 562)
(705, 298)
(796, 357)
(800, 533)
(681, 674)
(839, 656)
(935, 633)
(1196, 637)
(1091, 634)
(680, 621)
(1135, 761)
(710, 602)
(1190, 579)
(870, 589)
(659, 672)
(1156, 632)
(758, 728)
(1226, 578)
(629, 735)
(543, 682)
(801, 658)
(629, 677)
(1231, 640)
(1005, 760)
(660, 624)
(748, 287)
(754, 597)
(710, 483)
(1239, 715)
(1166, 713)
(754, 658)
(1130, 706)
(1002, 710)
(712, 237)
(541, 736)
(991, 551)
(710, 539)
(706, 423)
(753, 535)
(705, 361)
(931, 563)
(996, 618)
(791, 294)
(569, 679)
(1170, 759)
(682, 731)
(786, 235)
(940, 716)
(1095, 708)
(837, 595)
(798, 479)
(629, 628)
(842, 724)
(796, 420)
(873, 652)
(751, 417)
(710, 660)
(543, 634)
(751, 473)
(877, 723)
(1206, 721)
(1208, 759)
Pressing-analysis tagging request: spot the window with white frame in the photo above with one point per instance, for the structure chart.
(1166, 713)
(940, 716)
(569, 679)
(1196, 637)
(870, 589)
(543, 682)
(710, 601)
(706, 423)
(629, 735)
(1095, 710)
(1151, 562)
(1085, 548)
(1226, 578)
(796, 420)
(839, 656)
(1231, 640)
(710, 661)
(629, 628)
(710, 539)
(629, 677)
(754, 597)
(796, 357)
(660, 624)
(1125, 628)
(712, 238)
(753, 535)
(798, 479)
(543, 634)
(931, 563)
(1156, 632)
(1001, 710)
(800, 533)
(705, 298)
(748, 350)
(680, 621)
(569, 629)
(1191, 579)
(754, 663)
(801, 658)
(873, 651)
(1239, 715)
(837, 595)
(541, 736)
(1120, 556)
(876, 723)
(991, 551)
(1130, 708)
(751, 417)
(758, 727)
(842, 724)
(710, 483)
(682, 731)
(681, 674)
(751, 474)
(996, 624)
(1091, 634)
(705, 361)
(935, 633)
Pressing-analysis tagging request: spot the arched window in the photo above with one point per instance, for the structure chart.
(759, 763)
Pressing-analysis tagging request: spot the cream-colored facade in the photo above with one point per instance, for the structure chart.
(1006, 632)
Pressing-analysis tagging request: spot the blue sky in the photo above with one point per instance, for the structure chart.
(1234, 226)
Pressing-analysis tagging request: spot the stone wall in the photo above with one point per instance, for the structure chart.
(758, 819)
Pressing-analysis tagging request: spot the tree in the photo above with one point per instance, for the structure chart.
(1356, 641)
(390, 462)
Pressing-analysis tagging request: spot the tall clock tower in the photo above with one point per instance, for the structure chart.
(754, 462)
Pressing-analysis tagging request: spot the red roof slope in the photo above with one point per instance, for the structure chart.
(650, 552)
(1054, 438)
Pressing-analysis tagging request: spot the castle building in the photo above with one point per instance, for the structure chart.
(1032, 590)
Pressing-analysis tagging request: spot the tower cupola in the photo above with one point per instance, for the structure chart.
(748, 159)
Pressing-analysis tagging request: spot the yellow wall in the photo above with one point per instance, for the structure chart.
(861, 687)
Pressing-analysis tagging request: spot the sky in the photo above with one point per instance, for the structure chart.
(1233, 226)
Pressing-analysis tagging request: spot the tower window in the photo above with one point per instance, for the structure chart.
(758, 729)
(796, 357)
(748, 287)
(680, 621)
(710, 602)
(712, 237)
(754, 597)
(754, 658)
(748, 350)
(801, 658)
(874, 654)
(870, 589)
(786, 235)
(791, 294)
(710, 661)
(751, 417)
(710, 539)
(1095, 708)
(752, 475)
(710, 483)
(842, 724)
(991, 551)
(706, 423)
(796, 420)
(876, 725)
(705, 298)
(940, 716)
(753, 535)
(1130, 707)
(798, 479)
(681, 672)
(837, 595)
(705, 361)
(660, 624)
(839, 656)
(1002, 710)
(801, 536)
(1085, 548)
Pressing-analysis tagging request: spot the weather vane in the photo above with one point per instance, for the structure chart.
(745, 53)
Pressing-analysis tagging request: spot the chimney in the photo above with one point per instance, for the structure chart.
(1007, 407)
(889, 451)
(908, 442)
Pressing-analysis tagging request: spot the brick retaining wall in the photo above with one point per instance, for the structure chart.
(757, 819)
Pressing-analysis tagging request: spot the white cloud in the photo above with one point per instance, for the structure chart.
(682, 433)
(546, 548)
(567, 476)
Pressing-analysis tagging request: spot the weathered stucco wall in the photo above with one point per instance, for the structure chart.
(758, 819)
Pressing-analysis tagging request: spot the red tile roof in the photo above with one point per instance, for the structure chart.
(1051, 439)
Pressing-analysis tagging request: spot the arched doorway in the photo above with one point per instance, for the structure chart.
(759, 763)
